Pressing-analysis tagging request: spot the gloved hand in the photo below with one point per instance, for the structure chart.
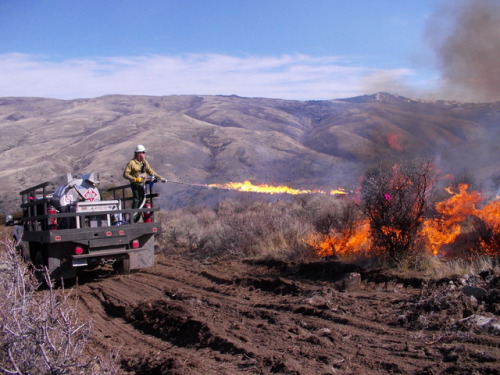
(163, 180)
(138, 179)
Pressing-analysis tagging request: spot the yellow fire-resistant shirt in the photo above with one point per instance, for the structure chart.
(135, 168)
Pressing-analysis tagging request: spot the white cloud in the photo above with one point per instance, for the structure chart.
(299, 76)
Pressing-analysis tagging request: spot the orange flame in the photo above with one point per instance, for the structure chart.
(247, 186)
(437, 232)
(350, 241)
(490, 214)
(393, 140)
(449, 191)
(453, 212)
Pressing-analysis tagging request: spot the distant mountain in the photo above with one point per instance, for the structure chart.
(218, 139)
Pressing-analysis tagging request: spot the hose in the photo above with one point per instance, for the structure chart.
(186, 183)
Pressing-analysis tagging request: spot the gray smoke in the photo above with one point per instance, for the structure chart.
(465, 36)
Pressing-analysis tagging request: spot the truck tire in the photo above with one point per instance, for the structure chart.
(37, 256)
(122, 266)
(39, 259)
(39, 263)
(23, 250)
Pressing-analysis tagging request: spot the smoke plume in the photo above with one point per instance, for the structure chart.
(465, 36)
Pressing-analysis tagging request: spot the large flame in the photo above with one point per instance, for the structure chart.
(437, 232)
(247, 186)
(490, 214)
(453, 213)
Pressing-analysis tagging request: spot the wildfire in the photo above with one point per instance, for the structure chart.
(490, 214)
(393, 140)
(352, 240)
(247, 186)
(453, 218)
(458, 215)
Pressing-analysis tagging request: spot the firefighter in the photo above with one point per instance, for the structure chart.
(136, 171)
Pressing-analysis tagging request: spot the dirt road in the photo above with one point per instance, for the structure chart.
(184, 316)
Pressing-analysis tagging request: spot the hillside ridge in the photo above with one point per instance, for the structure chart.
(218, 139)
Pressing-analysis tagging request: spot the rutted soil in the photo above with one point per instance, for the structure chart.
(184, 316)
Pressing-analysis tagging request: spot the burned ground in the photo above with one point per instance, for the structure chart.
(184, 316)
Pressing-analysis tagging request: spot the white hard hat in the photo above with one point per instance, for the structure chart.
(140, 148)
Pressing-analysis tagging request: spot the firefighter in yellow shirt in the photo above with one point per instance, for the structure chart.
(136, 171)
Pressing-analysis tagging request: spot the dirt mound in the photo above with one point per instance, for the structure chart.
(184, 316)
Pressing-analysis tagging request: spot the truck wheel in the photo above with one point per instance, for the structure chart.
(39, 263)
(38, 259)
(122, 266)
(23, 250)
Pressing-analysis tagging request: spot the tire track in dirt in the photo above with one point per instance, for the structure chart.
(187, 317)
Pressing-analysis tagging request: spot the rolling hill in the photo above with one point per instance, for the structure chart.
(219, 139)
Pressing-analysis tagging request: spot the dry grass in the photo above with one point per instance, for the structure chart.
(239, 230)
(280, 230)
(427, 266)
(458, 267)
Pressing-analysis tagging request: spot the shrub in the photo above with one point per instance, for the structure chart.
(393, 197)
(329, 213)
(40, 332)
(256, 229)
(238, 230)
(180, 230)
(341, 231)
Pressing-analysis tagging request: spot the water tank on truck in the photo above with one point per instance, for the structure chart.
(74, 189)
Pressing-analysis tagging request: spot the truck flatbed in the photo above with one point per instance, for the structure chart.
(85, 233)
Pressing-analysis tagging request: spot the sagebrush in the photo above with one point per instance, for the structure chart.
(40, 331)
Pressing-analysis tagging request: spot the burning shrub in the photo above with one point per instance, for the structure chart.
(393, 197)
(490, 230)
(331, 214)
(39, 330)
(340, 229)
(461, 227)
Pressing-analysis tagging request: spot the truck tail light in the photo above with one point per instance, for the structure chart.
(78, 250)
(135, 244)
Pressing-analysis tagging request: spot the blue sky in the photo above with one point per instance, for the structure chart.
(290, 49)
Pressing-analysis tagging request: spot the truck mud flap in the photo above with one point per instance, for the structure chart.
(145, 257)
